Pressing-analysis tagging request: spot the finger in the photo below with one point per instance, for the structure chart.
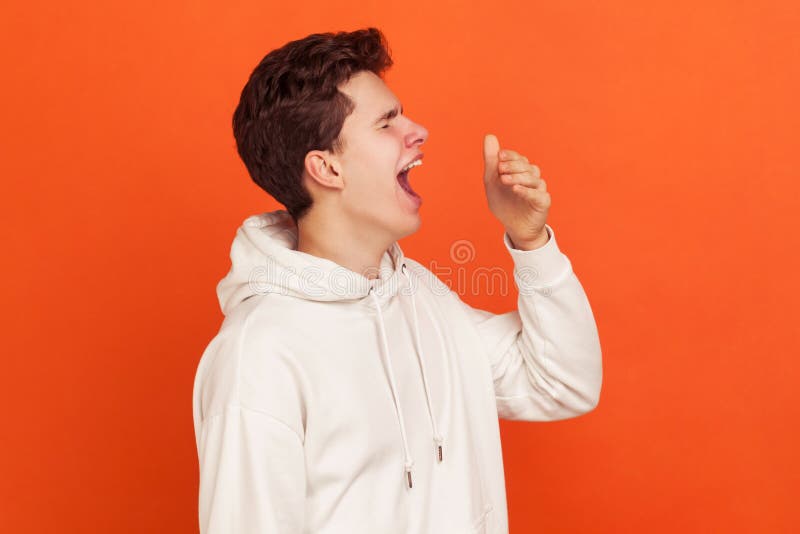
(517, 166)
(524, 178)
(508, 154)
(534, 196)
(490, 148)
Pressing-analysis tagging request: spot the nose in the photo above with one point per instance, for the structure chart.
(417, 133)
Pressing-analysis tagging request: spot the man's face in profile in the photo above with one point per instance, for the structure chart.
(379, 141)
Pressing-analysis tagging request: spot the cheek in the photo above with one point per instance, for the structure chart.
(371, 183)
(373, 170)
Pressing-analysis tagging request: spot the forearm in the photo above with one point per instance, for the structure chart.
(553, 370)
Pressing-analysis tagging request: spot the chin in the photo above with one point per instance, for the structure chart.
(410, 228)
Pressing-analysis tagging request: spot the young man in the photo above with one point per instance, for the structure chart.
(349, 390)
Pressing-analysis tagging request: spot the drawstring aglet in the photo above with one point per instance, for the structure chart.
(440, 453)
(409, 467)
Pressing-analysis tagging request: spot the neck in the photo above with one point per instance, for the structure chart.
(341, 241)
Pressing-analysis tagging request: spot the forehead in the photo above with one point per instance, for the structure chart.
(371, 96)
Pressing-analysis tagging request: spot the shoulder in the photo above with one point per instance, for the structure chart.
(250, 363)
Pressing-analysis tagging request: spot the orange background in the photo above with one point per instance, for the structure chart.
(667, 133)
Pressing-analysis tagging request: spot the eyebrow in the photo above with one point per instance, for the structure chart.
(392, 113)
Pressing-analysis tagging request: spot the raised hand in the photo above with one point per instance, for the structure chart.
(516, 193)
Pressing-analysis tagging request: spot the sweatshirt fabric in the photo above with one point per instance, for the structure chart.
(329, 402)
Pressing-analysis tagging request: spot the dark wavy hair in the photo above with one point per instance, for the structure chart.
(291, 104)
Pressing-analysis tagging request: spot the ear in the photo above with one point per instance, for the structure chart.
(323, 168)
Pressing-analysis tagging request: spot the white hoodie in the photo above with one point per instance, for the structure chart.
(330, 402)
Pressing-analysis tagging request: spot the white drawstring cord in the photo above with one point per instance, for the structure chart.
(409, 462)
(421, 357)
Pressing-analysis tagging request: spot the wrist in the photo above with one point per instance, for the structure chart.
(529, 243)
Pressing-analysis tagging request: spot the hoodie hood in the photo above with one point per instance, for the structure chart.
(264, 260)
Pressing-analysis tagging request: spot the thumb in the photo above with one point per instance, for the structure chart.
(491, 146)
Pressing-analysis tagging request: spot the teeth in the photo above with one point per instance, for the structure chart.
(411, 165)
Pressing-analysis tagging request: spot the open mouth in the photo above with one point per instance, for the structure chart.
(402, 178)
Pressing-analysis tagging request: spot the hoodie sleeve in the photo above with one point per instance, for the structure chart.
(252, 474)
(545, 356)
